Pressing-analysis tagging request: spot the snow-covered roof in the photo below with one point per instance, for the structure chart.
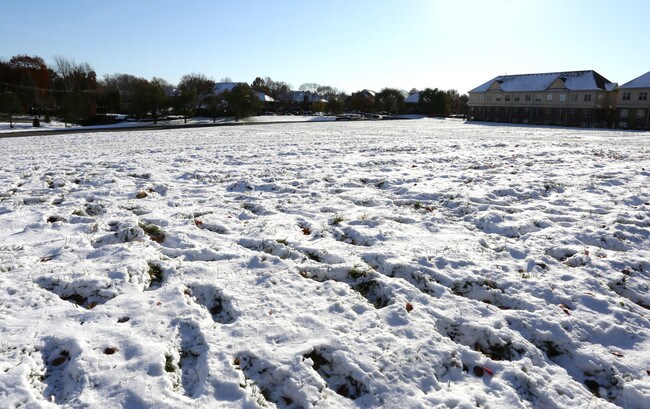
(264, 98)
(572, 80)
(299, 96)
(413, 98)
(221, 87)
(639, 82)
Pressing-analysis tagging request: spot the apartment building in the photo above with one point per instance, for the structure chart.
(633, 104)
(573, 98)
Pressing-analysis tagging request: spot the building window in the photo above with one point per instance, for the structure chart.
(622, 124)
(487, 110)
(623, 113)
(507, 111)
(549, 97)
(600, 97)
(517, 98)
(572, 112)
(527, 98)
(643, 96)
(480, 97)
(587, 97)
(640, 113)
(536, 111)
(538, 97)
(548, 111)
(559, 113)
(489, 98)
(497, 110)
(498, 98)
(574, 98)
(562, 97)
(526, 111)
(627, 96)
(515, 111)
(585, 113)
(507, 98)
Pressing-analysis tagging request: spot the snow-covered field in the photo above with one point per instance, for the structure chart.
(420, 263)
(55, 125)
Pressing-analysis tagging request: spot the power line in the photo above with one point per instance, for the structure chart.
(48, 89)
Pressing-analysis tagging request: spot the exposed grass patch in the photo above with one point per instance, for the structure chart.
(336, 220)
(371, 290)
(335, 377)
(169, 364)
(155, 273)
(154, 232)
(356, 273)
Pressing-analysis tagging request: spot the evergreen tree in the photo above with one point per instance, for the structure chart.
(10, 104)
(243, 101)
(390, 100)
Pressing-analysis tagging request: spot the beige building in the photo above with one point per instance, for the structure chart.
(633, 104)
(574, 98)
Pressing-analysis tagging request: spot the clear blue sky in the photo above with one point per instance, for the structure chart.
(351, 45)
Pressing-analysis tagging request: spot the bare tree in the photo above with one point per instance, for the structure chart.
(70, 72)
(309, 87)
(79, 85)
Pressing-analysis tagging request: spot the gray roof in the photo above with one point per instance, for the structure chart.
(639, 82)
(573, 80)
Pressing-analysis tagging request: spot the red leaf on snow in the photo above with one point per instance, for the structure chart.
(488, 371)
(409, 307)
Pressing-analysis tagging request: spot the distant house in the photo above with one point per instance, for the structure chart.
(303, 100)
(633, 104)
(306, 96)
(412, 98)
(573, 98)
(221, 87)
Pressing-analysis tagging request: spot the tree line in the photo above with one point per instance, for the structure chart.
(72, 92)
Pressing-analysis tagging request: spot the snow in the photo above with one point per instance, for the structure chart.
(640, 82)
(54, 125)
(413, 98)
(574, 81)
(221, 87)
(420, 263)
